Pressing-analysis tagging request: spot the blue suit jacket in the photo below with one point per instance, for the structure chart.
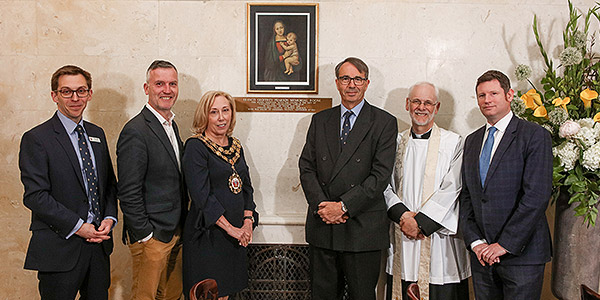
(510, 208)
(55, 193)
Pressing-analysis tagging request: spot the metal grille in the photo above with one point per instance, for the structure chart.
(277, 272)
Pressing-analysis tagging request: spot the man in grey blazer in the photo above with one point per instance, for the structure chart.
(507, 183)
(345, 166)
(151, 189)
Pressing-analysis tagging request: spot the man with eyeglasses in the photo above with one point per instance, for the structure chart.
(345, 166)
(70, 188)
(152, 193)
(423, 203)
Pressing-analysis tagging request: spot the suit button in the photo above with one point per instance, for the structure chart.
(483, 200)
(358, 160)
(324, 158)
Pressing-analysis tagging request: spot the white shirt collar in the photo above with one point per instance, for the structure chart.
(160, 118)
(502, 124)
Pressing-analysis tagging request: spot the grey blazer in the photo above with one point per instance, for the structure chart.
(151, 189)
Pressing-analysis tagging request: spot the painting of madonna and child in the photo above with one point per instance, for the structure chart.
(282, 45)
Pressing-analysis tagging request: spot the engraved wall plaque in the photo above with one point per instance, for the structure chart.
(283, 104)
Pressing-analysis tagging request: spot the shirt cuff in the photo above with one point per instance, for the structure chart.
(146, 238)
(75, 229)
(477, 242)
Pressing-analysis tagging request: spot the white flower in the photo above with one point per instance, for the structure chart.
(586, 122)
(517, 106)
(587, 136)
(522, 72)
(579, 39)
(570, 56)
(558, 116)
(591, 158)
(567, 153)
(568, 129)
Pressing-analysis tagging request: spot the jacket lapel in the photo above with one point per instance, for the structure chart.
(160, 133)
(355, 138)
(507, 139)
(332, 133)
(63, 139)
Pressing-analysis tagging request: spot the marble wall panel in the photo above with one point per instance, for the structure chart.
(17, 28)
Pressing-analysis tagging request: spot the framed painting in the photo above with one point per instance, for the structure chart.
(282, 48)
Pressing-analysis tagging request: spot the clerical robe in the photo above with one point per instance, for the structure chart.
(449, 257)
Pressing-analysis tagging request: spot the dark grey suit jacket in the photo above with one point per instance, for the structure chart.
(357, 174)
(152, 193)
(510, 208)
(55, 193)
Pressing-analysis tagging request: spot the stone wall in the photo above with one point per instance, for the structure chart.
(448, 42)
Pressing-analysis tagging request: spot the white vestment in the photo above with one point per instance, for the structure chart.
(449, 256)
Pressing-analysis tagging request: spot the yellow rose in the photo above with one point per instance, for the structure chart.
(597, 117)
(540, 112)
(532, 99)
(587, 96)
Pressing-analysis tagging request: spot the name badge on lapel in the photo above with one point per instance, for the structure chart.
(94, 139)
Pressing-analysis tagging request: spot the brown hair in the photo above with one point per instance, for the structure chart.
(201, 115)
(356, 62)
(497, 75)
(70, 70)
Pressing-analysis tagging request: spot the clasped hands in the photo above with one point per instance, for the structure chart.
(242, 234)
(489, 254)
(91, 235)
(331, 212)
(409, 226)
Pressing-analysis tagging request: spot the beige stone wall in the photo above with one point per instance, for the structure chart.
(448, 42)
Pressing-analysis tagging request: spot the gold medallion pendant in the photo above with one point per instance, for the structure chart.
(235, 183)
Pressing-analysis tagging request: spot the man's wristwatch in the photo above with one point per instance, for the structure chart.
(344, 209)
(251, 218)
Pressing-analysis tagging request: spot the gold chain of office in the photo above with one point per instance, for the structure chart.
(235, 182)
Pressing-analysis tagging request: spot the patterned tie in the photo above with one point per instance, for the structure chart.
(486, 153)
(90, 174)
(346, 127)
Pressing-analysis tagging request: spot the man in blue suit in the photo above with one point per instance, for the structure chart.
(507, 183)
(70, 188)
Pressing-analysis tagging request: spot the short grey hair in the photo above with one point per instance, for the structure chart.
(163, 64)
(420, 83)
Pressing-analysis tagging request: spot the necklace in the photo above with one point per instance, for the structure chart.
(235, 182)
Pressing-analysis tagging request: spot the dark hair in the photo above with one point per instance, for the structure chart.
(497, 75)
(356, 62)
(70, 70)
(159, 64)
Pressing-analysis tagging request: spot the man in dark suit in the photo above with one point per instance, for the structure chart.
(70, 188)
(507, 183)
(345, 166)
(151, 189)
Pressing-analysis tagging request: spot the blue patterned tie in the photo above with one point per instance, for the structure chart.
(90, 174)
(346, 127)
(486, 153)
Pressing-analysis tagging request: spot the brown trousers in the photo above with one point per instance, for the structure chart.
(157, 273)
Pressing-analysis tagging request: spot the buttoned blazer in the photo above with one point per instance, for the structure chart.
(510, 208)
(56, 195)
(151, 194)
(356, 174)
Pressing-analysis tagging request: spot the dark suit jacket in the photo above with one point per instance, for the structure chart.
(151, 190)
(357, 174)
(55, 193)
(510, 208)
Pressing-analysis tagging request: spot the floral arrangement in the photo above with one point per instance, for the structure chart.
(567, 106)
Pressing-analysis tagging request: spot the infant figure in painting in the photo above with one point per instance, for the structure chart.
(291, 53)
